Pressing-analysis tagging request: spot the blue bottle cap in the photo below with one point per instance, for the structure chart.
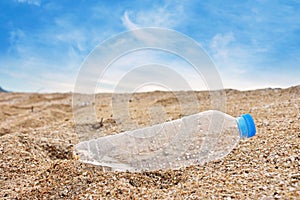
(246, 125)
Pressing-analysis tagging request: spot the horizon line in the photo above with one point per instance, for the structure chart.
(150, 91)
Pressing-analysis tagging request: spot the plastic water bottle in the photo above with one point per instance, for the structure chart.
(191, 140)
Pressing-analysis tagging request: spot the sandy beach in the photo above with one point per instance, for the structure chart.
(37, 138)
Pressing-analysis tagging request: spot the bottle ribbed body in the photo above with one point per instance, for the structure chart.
(191, 140)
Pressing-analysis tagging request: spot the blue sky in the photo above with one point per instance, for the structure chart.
(254, 44)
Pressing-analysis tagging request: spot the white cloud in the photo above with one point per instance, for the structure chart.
(33, 2)
(158, 16)
(233, 60)
(220, 45)
(237, 65)
(141, 34)
(167, 16)
(133, 67)
(50, 57)
(230, 56)
(128, 23)
(164, 16)
(15, 37)
(30, 78)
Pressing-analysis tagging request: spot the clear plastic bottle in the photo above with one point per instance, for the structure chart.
(191, 140)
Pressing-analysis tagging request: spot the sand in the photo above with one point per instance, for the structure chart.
(37, 137)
